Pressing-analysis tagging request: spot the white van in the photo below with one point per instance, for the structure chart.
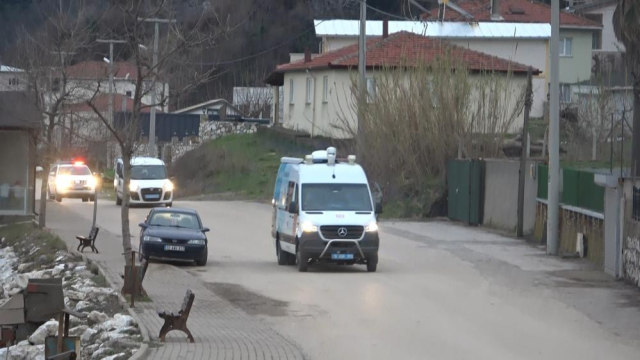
(323, 211)
(149, 183)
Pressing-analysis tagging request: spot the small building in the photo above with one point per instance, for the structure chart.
(20, 122)
(12, 79)
(318, 91)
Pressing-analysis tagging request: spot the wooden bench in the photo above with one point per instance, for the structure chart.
(89, 241)
(177, 321)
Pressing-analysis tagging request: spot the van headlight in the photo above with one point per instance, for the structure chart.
(196, 242)
(372, 227)
(168, 186)
(151, 239)
(134, 187)
(308, 227)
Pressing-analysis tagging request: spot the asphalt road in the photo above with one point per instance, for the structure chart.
(442, 291)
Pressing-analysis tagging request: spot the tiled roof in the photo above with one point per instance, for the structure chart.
(101, 102)
(526, 11)
(100, 69)
(401, 49)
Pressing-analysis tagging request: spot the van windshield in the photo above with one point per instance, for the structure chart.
(148, 172)
(335, 197)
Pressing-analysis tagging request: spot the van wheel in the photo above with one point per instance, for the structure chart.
(283, 258)
(92, 198)
(84, 199)
(118, 200)
(301, 260)
(372, 263)
(58, 198)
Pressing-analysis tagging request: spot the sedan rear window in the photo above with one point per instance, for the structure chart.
(180, 220)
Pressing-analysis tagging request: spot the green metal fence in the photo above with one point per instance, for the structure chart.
(578, 188)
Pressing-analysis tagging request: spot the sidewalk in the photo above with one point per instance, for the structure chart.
(221, 331)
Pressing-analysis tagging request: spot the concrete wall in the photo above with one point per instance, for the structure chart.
(501, 195)
(577, 67)
(631, 237)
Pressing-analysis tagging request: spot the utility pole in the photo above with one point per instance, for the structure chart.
(523, 154)
(152, 112)
(553, 201)
(62, 84)
(111, 84)
(362, 74)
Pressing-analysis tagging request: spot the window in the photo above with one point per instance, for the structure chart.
(175, 219)
(636, 203)
(291, 196)
(14, 81)
(371, 90)
(566, 47)
(596, 40)
(148, 172)
(74, 170)
(325, 89)
(128, 93)
(291, 91)
(565, 93)
(55, 85)
(309, 82)
(335, 197)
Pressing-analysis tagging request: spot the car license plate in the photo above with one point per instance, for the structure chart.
(154, 196)
(173, 248)
(341, 256)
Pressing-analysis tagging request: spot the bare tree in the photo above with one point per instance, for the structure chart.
(180, 44)
(45, 54)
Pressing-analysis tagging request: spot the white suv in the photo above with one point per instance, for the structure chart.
(149, 183)
(73, 180)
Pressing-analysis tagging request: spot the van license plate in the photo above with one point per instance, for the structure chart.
(152, 196)
(341, 256)
(173, 248)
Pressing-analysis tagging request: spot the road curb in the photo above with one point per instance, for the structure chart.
(143, 350)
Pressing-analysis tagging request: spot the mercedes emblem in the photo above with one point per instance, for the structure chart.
(342, 232)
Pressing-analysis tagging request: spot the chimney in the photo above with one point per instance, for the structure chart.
(495, 10)
(385, 28)
(307, 56)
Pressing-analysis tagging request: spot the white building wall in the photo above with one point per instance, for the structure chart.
(337, 118)
(609, 40)
(12, 81)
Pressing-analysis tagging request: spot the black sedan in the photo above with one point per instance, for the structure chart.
(174, 234)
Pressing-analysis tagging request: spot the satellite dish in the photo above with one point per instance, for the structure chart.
(106, 60)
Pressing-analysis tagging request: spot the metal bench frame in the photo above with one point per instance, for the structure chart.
(89, 241)
(173, 321)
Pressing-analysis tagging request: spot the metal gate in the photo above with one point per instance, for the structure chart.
(465, 190)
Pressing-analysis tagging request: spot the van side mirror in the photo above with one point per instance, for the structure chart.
(293, 207)
(52, 174)
(378, 208)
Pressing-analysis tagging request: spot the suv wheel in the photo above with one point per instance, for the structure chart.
(372, 263)
(301, 260)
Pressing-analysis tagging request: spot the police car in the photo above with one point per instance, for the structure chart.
(71, 180)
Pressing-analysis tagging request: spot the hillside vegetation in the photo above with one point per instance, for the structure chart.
(234, 167)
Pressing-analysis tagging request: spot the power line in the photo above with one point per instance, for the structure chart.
(386, 13)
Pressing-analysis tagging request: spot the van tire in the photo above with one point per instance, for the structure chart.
(92, 198)
(372, 263)
(58, 198)
(301, 260)
(169, 204)
(118, 200)
(84, 199)
(282, 256)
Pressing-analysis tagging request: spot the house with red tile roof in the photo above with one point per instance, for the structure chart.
(318, 90)
(578, 34)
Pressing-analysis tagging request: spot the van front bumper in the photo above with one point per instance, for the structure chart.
(151, 196)
(318, 249)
